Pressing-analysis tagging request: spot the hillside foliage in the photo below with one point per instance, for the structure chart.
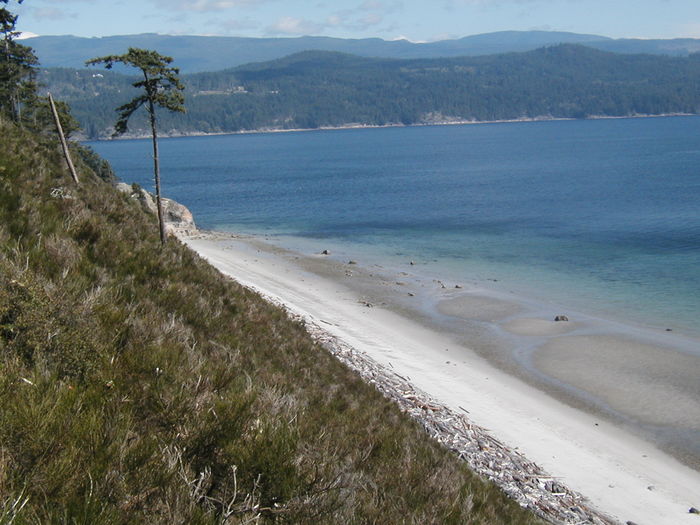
(317, 89)
(138, 385)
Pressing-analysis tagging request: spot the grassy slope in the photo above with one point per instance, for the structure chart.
(139, 385)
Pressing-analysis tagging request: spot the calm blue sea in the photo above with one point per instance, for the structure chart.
(598, 215)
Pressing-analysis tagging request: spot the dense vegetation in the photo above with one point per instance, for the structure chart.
(316, 89)
(138, 385)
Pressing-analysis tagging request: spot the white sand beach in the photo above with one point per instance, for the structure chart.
(622, 475)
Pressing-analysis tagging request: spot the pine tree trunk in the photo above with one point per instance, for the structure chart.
(156, 170)
(11, 88)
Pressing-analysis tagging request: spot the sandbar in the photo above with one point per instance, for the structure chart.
(652, 384)
(538, 327)
(478, 307)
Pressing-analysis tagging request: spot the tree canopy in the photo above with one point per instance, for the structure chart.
(17, 67)
(159, 87)
(160, 84)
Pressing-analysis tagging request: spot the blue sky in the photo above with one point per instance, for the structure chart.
(388, 19)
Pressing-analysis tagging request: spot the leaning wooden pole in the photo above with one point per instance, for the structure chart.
(64, 144)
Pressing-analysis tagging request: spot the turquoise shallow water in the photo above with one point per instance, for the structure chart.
(600, 215)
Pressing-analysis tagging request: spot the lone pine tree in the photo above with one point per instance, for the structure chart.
(161, 88)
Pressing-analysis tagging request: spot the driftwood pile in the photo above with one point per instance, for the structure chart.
(521, 479)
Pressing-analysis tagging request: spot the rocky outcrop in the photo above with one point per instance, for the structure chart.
(178, 219)
(123, 187)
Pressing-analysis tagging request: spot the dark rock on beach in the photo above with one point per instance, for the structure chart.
(561, 318)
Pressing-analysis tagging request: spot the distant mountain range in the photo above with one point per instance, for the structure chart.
(213, 53)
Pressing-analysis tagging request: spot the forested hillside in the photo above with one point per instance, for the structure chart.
(317, 89)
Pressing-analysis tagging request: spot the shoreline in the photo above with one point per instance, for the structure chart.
(638, 376)
(349, 126)
(610, 466)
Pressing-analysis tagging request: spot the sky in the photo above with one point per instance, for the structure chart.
(418, 21)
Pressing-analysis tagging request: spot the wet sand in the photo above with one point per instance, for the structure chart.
(457, 342)
(642, 379)
(649, 384)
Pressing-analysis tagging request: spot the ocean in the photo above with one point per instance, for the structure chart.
(601, 216)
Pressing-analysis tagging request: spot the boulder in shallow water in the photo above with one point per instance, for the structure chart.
(561, 318)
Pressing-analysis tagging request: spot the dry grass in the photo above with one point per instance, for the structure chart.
(139, 385)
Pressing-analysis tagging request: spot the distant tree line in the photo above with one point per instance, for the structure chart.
(315, 89)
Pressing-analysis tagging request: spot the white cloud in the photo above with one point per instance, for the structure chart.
(453, 4)
(689, 30)
(50, 13)
(206, 5)
(371, 5)
(366, 15)
(290, 25)
(372, 19)
(235, 24)
(334, 21)
(369, 13)
(486, 2)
